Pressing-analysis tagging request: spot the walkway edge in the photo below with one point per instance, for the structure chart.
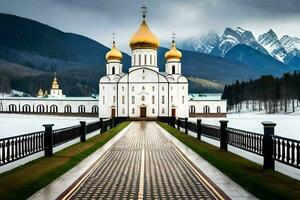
(59, 185)
(229, 187)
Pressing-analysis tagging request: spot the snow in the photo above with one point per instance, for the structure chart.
(287, 124)
(18, 124)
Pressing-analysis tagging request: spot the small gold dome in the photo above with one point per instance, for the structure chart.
(40, 93)
(114, 53)
(173, 53)
(144, 38)
(55, 85)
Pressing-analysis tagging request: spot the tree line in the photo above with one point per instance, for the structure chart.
(267, 93)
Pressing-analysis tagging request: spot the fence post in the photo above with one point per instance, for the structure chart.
(48, 139)
(114, 122)
(173, 121)
(268, 150)
(101, 126)
(199, 129)
(223, 135)
(186, 125)
(178, 124)
(82, 131)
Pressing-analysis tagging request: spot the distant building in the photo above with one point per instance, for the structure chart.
(54, 103)
(207, 105)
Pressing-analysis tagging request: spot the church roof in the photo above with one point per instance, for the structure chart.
(144, 38)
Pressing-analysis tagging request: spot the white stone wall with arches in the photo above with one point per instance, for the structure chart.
(68, 105)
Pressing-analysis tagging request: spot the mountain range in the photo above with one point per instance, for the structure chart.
(30, 52)
(285, 49)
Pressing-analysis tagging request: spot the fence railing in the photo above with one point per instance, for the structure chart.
(286, 151)
(21, 146)
(245, 140)
(14, 148)
(268, 145)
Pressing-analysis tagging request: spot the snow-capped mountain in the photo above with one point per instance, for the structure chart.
(216, 45)
(204, 44)
(231, 37)
(284, 49)
(290, 43)
(272, 44)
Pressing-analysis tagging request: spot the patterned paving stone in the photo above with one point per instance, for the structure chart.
(143, 164)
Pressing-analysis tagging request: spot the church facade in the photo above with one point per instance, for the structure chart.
(144, 91)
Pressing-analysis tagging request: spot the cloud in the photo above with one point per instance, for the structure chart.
(99, 18)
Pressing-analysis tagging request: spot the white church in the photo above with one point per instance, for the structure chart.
(144, 91)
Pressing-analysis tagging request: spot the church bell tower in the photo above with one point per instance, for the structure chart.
(114, 58)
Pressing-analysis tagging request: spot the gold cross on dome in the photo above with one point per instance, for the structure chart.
(114, 37)
(144, 11)
(173, 37)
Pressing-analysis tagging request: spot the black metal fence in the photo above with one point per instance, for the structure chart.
(268, 145)
(14, 148)
(21, 146)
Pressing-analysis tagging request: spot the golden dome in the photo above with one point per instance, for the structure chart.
(173, 53)
(40, 93)
(55, 83)
(144, 38)
(114, 53)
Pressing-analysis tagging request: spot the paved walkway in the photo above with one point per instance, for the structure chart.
(143, 164)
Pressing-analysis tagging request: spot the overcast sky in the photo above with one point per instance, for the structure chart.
(97, 19)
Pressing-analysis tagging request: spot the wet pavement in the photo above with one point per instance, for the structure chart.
(143, 164)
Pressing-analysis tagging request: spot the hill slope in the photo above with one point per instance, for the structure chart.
(80, 61)
(260, 62)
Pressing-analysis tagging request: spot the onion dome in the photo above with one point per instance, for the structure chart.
(144, 38)
(55, 85)
(40, 93)
(114, 53)
(173, 53)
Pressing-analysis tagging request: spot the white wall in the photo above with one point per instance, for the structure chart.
(33, 104)
(213, 104)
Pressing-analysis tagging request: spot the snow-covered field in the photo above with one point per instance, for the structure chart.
(18, 124)
(288, 125)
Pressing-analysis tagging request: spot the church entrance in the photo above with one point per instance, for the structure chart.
(113, 112)
(143, 112)
(173, 112)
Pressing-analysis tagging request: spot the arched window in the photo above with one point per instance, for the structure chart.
(53, 109)
(113, 70)
(163, 111)
(206, 109)
(67, 109)
(81, 109)
(40, 108)
(151, 59)
(132, 89)
(145, 59)
(173, 69)
(26, 108)
(134, 59)
(140, 58)
(12, 108)
(95, 109)
(192, 109)
(153, 111)
(218, 109)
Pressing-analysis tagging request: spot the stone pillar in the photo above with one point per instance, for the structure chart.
(268, 150)
(223, 135)
(48, 139)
